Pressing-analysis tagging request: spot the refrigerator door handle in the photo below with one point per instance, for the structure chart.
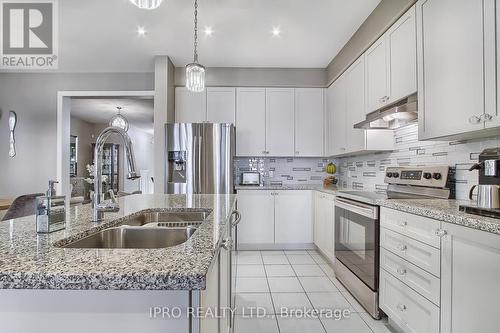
(199, 171)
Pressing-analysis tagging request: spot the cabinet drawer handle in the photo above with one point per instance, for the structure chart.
(401, 247)
(440, 232)
(236, 218)
(401, 307)
(401, 271)
(403, 224)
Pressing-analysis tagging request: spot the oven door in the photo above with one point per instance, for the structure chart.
(357, 239)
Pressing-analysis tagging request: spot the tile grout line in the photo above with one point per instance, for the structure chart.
(270, 294)
(307, 296)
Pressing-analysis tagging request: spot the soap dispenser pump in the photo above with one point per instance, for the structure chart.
(50, 211)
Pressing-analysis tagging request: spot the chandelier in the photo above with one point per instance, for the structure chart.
(195, 73)
(119, 120)
(147, 4)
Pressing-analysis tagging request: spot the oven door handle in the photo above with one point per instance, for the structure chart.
(357, 207)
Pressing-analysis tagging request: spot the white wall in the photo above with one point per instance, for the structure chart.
(34, 97)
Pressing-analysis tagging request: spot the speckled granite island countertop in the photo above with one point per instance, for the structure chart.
(31, 261)
(443, 210)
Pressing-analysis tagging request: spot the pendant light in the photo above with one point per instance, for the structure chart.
(195, 73)
(119, 120)
(147, 4)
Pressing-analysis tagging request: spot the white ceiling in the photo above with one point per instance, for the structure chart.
(138, 111)
(97, 35)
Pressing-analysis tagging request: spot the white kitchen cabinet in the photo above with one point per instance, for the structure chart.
(209, 298)
(376, 75)
(470, 281)
(250, 122)
(324, 224)
(257, 217)
(338, 116)
(345, 107)
(225, 281)
(275, 219)
(293, 217)
(221, 105)
(456, 66)
(309, 122)
(355, 105)
(391, 64)
(401, 39)
(190, 107)
(408, 309)
(280, 118)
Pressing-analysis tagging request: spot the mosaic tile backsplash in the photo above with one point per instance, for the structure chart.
(283, 171)
(367, 172)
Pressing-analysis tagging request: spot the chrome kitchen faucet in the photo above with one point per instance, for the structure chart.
(98, 207)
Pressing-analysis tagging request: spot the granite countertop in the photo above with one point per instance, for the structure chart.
(31, 261)
(444, 210)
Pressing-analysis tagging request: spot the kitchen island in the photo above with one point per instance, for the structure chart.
(45, 286)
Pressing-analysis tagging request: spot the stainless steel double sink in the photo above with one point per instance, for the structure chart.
(151, 230)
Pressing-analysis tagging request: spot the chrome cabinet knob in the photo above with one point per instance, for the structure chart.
(401, 307)
(401, 247)
(401, 271)
(486, 117)
(440, 232)
(227, 244)
(474, 119)
(403, 224)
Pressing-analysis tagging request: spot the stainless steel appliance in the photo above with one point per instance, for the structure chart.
(199, 158)
(488, 189)
(395, 115)
(357, 227)
(250, 178)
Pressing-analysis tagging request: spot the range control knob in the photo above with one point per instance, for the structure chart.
(389, 174)
(427, 175)
(395, 174)
(436, 175)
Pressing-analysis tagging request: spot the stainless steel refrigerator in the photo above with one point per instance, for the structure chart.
(199, 158)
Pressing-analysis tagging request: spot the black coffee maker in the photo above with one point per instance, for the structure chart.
(488, 166)
(487, 201)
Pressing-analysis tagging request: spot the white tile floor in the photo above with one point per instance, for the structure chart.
(294, 280)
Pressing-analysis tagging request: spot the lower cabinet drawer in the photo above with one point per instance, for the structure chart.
(419, 280)
(422, 255)
(412, 312)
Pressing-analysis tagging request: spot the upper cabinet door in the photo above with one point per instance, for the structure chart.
(376, 75)
(355, 105)
(338, 120)
(309, 114)
(190, 107)
(402, 56)
(221, 105)
(250, 121)
(280, 110)
(451, 60)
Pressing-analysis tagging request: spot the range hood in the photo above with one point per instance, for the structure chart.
(393, 116)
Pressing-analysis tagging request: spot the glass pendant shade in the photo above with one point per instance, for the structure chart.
(147, 4)
(119, 121)
(195, 77)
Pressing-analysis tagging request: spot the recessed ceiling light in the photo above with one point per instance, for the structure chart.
(141, 31)
(208, 31)
(276, 31)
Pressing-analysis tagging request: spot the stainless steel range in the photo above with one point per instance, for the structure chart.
(357, 226)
